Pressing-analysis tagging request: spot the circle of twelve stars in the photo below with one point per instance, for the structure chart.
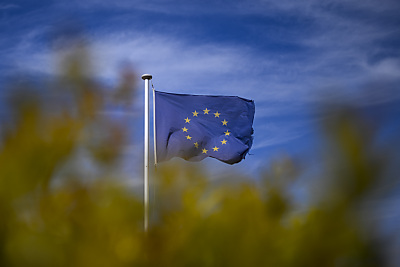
(196, 144)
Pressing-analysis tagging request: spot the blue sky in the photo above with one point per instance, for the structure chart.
(289, 56)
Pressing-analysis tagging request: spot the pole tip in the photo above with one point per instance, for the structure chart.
(147, 76)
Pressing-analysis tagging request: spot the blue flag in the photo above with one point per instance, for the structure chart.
(194, 127)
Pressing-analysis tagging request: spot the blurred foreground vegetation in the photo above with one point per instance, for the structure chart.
(51, 214)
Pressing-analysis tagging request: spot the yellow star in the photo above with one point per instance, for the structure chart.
(187, 120)
(184, 129)
(227, 132)
(217, 114)
(205, 151)
(188, 137)
(215, 148)
(195, 113)
(196, 145)
(206, 111)
(223, 142)
(224, 122)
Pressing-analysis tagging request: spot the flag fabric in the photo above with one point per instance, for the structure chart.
(194, 127)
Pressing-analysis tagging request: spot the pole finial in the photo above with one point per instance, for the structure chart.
(147, 76)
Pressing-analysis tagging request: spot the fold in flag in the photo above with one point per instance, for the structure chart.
(194, 127)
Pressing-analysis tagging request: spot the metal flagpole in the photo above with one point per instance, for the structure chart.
(146, 78)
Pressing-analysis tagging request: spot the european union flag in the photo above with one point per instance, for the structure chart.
(194, 127)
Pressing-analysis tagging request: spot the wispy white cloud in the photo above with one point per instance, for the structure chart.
(181, 66)
(160, 54)
(334, 62)
(307, 7)
(272, 132)
(336, 55)
(8, 6)
(388, 68)
(279, 137)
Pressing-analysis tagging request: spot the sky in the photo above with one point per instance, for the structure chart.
(290, 57)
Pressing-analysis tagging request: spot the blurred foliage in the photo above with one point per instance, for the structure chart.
(51, 215)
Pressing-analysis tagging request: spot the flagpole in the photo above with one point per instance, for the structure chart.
(146, 78)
